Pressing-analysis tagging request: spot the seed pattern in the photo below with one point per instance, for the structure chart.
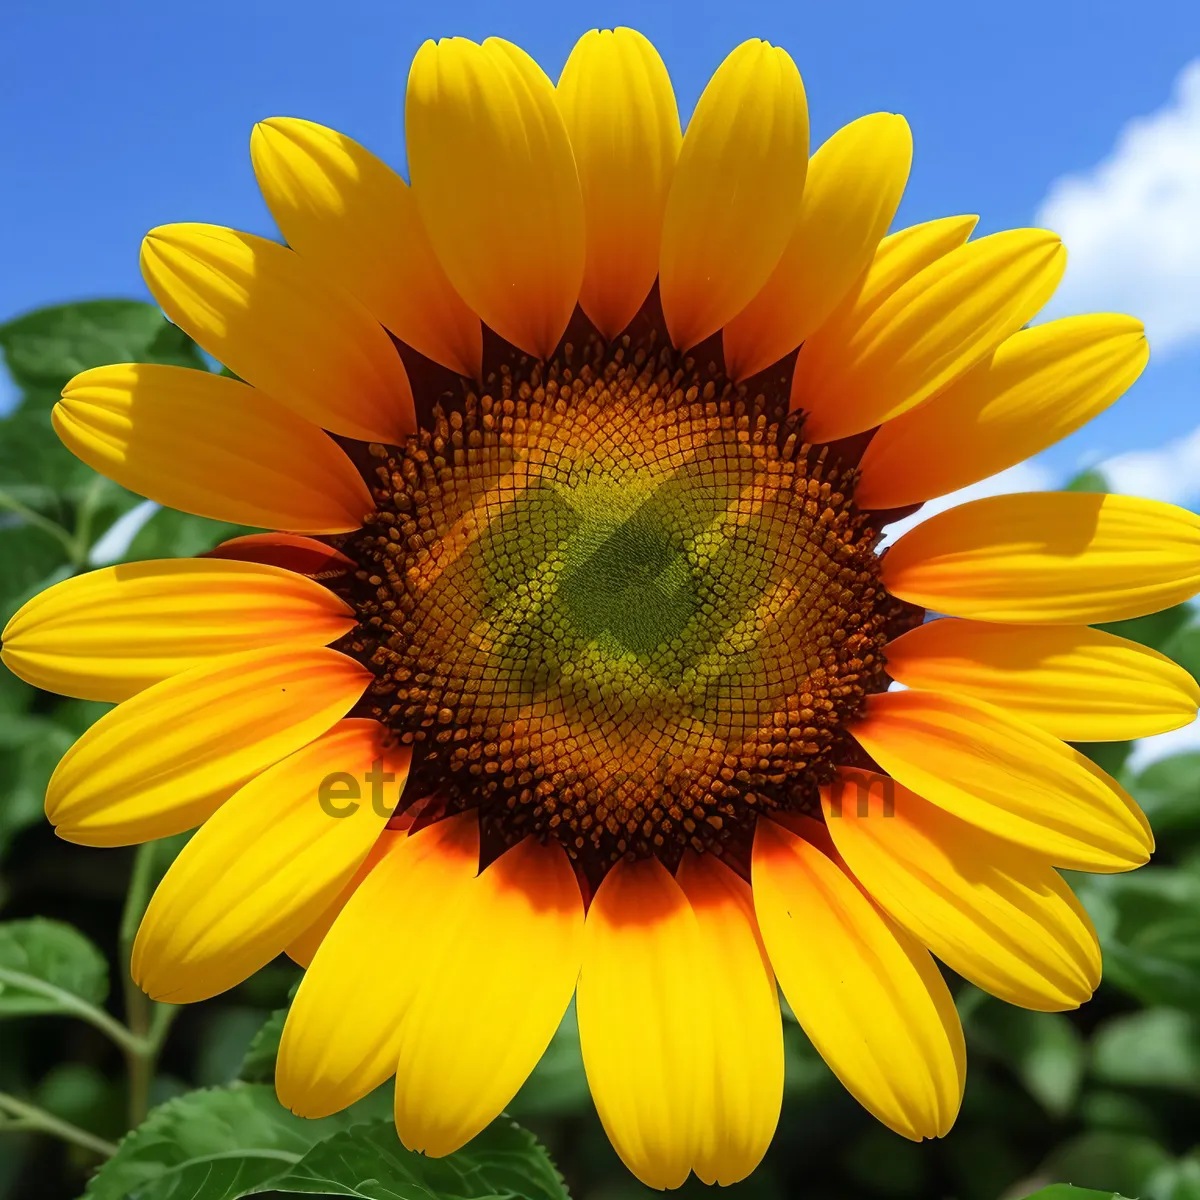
(617, 600)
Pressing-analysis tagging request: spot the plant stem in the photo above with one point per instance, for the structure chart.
(66, 1001)
(82, 538)
(53, 528)
(148, 1021)
(29, 1116)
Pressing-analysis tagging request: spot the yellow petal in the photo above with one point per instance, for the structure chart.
(496, 186)
(498, 961)
(932, 329)
(170, 756)
(735, 198)
(1049, 558)
(1040, 385)
(355, 220)
(342, 1034)
(1080, 684)
(616, 100)
(1007, 777)
(108, 634)
(868, 996)
(736, 994)
(212, 446)
(855, 181)
(647, 1052)
(1001, 918)
(280, 325)
(266, 863)
(304, 945)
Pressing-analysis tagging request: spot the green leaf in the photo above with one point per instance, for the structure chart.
(1169, 792)
(219, 1144)
(1064, 1191)
(370, 1163)
(1149, 926)
(258, 1064)
(43, 349)
(557, 1084)
(171, 534)
(30, 748)
(1157, 1047)
(226, 1143)
(1122, 1162)
(1090, 480)
(33, 559)
(1184, 648)
(55, 955)
(1155, 630)
(1044, 1050)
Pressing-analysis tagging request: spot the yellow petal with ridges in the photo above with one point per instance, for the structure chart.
(1049, 558)
(736, 195)
(1079, 684)
(619, 108)
(342, 1035)
(209, 445)
(736, 993)
(496, 186)
(649, 1067)
(1039, 385)
(167, 758)
(927, 333)
(110, 633)
(498, 962)
(349, 215)
(868, 996)
(267, 862)
(855, 181)
(304, 945)
(1007, 777)
(1000, 917)
(281, 326)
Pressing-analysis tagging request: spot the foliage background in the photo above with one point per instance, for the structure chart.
(1107, 1098)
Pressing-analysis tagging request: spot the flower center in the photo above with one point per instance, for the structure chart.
(617, 600)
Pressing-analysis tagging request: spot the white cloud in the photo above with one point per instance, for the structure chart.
(1024, 477)
(1170, 472)
(1132, 224)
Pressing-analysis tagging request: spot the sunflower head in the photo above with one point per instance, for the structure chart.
(582, 445)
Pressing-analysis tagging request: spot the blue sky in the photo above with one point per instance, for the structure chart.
(121, 116)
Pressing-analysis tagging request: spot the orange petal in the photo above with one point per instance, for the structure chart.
(110, 633)
(648, 1061)
(927, 333)
(341, 1039)
(167, 758)
(266, 863)
(278, 324)
(736, 994)
(1038, 386)
(616, 100)
(1006, 776)
(855, 181)
(1049, 558)
(355, 220)
(495, 183)
(1001, 918)
(1079, 684)
(735, 198)
(498, 959)
(304, 945)
(868, 996)
(212, 446)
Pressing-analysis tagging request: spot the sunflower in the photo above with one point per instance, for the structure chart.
(572, 672)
